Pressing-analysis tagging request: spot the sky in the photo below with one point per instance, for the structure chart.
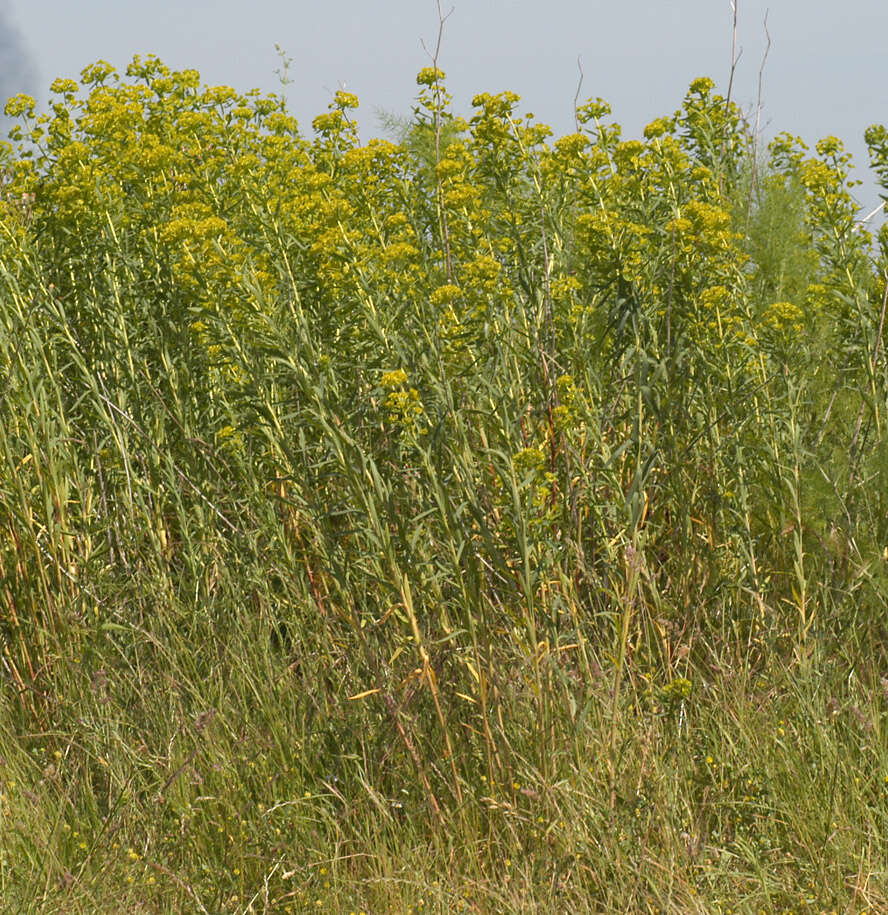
(826, 72)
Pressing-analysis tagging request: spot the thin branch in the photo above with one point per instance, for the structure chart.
(445, 230)
(757, 129)
(862, 222)
(758, 104)
(577, 93)
(734, 56)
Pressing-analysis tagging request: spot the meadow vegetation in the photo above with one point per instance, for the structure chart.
(480, 521)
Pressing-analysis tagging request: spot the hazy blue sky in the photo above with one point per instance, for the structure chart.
(827, 72)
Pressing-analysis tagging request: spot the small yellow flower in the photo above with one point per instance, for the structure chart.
(393, 379)
(428, 76)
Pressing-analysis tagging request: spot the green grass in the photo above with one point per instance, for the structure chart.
(489, 524)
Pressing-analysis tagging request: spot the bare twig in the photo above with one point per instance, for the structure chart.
(862, 222)
(577, 93)
(757, 129)
(758, 104)
(735, 57)
(445, 230)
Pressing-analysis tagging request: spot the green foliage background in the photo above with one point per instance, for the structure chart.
(477, 521)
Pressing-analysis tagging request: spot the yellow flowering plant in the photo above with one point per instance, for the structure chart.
(473, 430)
